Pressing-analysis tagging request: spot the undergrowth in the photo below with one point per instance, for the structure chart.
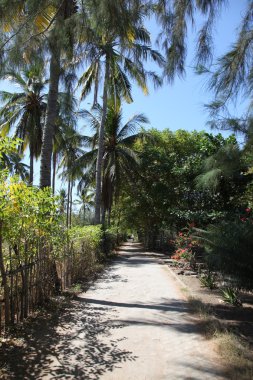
(235, 351)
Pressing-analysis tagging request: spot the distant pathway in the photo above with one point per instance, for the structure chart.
(132, 324)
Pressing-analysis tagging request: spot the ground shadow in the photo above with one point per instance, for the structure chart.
(66, 345)
(70, 342)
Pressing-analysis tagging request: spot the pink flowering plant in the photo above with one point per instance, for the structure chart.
(184, 245)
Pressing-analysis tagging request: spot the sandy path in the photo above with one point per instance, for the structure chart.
(132, 324)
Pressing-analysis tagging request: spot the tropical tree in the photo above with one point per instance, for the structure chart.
(86, 201)
(225, 173)
(61, 42)
(65, 122)
(122, 59)
(24, 111)
(119, 159)
(70, 151)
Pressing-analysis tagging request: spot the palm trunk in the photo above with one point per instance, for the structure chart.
(70, 206)
(101, 147)
(109, 216)
(103, 212)
(31, 165)
(4, 280)
(54, 171)
(95, 99)
(68, 199)
(48, 133)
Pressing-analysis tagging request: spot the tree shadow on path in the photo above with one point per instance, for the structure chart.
(66, 346)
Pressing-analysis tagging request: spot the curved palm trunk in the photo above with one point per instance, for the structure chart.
(101, 147)
(48, 133)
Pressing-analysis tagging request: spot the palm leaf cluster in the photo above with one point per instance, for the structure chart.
(49, 48)
(119, 159)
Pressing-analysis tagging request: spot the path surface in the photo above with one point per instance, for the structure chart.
(132, 324)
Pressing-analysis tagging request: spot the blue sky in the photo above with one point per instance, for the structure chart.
(180, 105)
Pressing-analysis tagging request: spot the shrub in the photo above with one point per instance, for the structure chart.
(229, 249)
(230, 295)
(184, 246)
(208, 280)
(112, 238)
(85, 251)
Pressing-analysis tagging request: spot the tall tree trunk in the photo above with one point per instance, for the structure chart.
(95, 99)
(109, 216)
(103, 212)
(101, 146)
(68, 201)
(54, 171)
(71, 202)
(4, 279)
(31, 164)
(48, 133)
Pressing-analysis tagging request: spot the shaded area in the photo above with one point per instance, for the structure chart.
(66, 346)
(173, 305)
(78, 341)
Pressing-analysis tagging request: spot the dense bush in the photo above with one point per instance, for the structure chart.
(112, 238)
(88, 247)
(32, 240)
(85, 251)
(229, 248)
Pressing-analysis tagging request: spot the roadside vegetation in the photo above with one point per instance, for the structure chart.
(188, 194)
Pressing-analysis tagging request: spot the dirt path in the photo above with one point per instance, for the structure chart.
(132, 324)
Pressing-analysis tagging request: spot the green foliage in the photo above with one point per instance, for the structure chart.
(230, 295)
(229, 247)
(86, 238)
(29, 214)
(112, 238)
(163, 193)
(88, 247)
(208, 280)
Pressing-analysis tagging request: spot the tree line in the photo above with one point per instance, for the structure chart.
(128, 178)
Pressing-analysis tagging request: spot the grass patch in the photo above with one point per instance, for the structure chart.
(209, 324)
(236, 352)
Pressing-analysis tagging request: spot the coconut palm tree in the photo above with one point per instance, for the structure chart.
(12, 162)
(66, 120)
(70, 151)
(119, 158)
(61, 40)
(24, 111)
(120, 61)
(86, 200)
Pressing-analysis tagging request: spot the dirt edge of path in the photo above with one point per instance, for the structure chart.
(234, 346)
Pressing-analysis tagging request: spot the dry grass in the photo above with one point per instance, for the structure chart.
(235, 352)
(209, 324)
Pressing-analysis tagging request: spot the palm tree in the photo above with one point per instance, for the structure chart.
(86, 200)
(25, 110)
(66, 120)
(119, 159)
(122, 59)
(70, 151)
(12, 162)
(61, 39)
